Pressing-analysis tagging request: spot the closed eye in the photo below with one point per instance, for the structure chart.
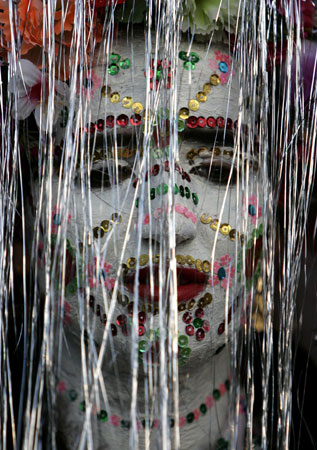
(217, 173)
(108, 176)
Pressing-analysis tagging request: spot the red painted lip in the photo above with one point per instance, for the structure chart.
(190, 282)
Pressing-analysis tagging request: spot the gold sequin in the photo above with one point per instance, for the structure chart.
(208, 298)
(259, 285)
(116, 218)
(156, 259)
(192, 154)
(225, 229)
(201, 302)
(183, 113)
(123, 299)
(190, 260)
(201, 96)
(214, 224)
(106, 91)
(207, 88)
(198, 265)
(232, 234)
(127, 102)
(202, 150)
(181, 307)
(115, 97)
(193, 105)
(106, 226)
(206, 266)
(205, 219)
(191, 304)
(148, 308)
(228, 153)
(242, 239)
(180, 259)
(98, 232)
(217, 151)
(137, 107)
(131, 263)
(144, 259)
(214, 79)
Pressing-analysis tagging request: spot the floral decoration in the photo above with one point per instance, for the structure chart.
(32, 91)
(222, 64)
(58, 219)
(104, 269)
(222, 272)
(89, 85)
(254, 210)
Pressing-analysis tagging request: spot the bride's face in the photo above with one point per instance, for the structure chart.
(138, 191)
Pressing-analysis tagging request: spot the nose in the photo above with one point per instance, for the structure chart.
(169, 199)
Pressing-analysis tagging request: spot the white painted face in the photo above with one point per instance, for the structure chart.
(125, 217)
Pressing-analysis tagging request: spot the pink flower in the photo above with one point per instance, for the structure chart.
(255, 211)
(89, 85)
(146, 219)
(58, 219)
(209, 401)
(224, 275)
(196, 414)
(115, 420)
(61, 387)
(224, 77)
(109, 283)
(225, 260)
(182, 422)
(213, 64)
(223, 57)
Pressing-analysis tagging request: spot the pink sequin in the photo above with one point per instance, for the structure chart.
(222, 388)
(182, 421)
(115, 421)
(146, 219)
(196, 414)
(61, 387)
(156, 423)
(209, 401)
(225, 260)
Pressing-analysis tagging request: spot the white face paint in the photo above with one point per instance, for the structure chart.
(124, 202)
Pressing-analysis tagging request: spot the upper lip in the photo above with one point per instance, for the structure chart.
(189, 282)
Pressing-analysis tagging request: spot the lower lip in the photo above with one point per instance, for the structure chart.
(185, 292)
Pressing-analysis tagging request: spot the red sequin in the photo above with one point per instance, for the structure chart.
(135, 182)
(190, 330)
(136, 119)
(114, 330)
(100, 125)
(130, 309)
(166, 166)
(121, 320)
(199, 313)
(187, 317)
(104, 319)
(206, 325)
(202, 122)
(211, 122)
(122, 120)
(221, 122)
(155, 170)
(142, 317)
(221, 328)
(200, 334)
(141, 330)
(229, 124)
(192, 122)
(110, 121)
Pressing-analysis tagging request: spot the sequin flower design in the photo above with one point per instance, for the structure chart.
(222, 64)
(58, 219)
(89, 85)
(222, 273)
(254, 210)
(104, 268)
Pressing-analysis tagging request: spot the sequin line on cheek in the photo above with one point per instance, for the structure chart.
(180, 209)
(224, 228)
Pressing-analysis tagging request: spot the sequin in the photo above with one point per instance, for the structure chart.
(214, 79)
(185, 352)
(201, 302)
(206, 325)
(115, 97)
(252, 210)
(189, 260)
(98, 232)
(221, 122)
(192, 122)
(181, 191)
(198, 265)
(172, 423)
(102, 416)
(57, 219)
(103, 319)
(121, 320)
(223, 67)
(191, 304)
(143, 346)
(136, 120)
(202, 122)
(227, 384)
(130, 309)
(203, 408)
(180, 259)
(187, 317)
(187, 192)
(141, 330)
(217, 151)
(195, 198)
(127, 102)
(125, 64)
(181, 307)
(221, 328)
(201, 96)
(110, 121)
(180, 126)
(72, 394)
(190, 330)
(189, 65)
(211, 122)
(155, 170)
(182, 341)
(142, 317)
(199, 313)
(144, 259)
(232, 235)
(113, 69)
(206, 266)
(175, 189)
(106, 91)
(207, 88)
(190, 417)
(137, 108)
(193, 105)
(114, 58)
(156, 259)
(114, 330)
(100, 125)
(200, 334)
(225, 229)
(183, 113)
(82, 406)
(183, 55)
(122, 120)
(204, 219)
(216, 394)
(106, 226)
(221, 273)
(125, 424)
(131, 263)
(152, 193)
(198, 323)
(214, 224)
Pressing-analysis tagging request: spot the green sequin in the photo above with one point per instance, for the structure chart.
(195, 198)
(115, 58)
(198, 323)
(185, 352)
(193, 57)
(113, 69)
(125, 424)
(72, 394)
(182, 362)
(190, 417)
(165, 188)
(216, 394)
(125, 64)
(188, 65)
(181, 191)
(180, 125)
(187, 192)
(82, 406)
(203, 408)
(183, 55)
(175, 189)
(102, 416)
(137, 203)
(152, 193)
(182, 341)
(222, 444)
(172, 423)
(227, 384)
(143, 346)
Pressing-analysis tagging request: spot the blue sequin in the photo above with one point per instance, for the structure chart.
(221, 273)
(223, 67)
(252, 210)
(57, 219)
